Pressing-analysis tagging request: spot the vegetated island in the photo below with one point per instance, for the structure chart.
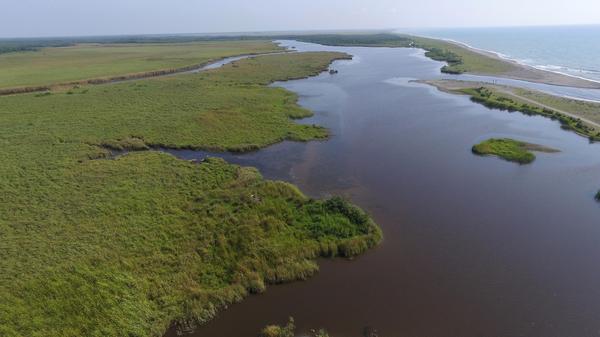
(510, 150)
(92, 246)
(288, 330)
(582, 117)
(597, 197)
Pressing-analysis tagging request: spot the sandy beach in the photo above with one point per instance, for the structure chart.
(523, 72)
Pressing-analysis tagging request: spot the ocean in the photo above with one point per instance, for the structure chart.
(572, 50)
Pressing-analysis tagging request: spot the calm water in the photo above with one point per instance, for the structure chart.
(568, 49)
(473, 246)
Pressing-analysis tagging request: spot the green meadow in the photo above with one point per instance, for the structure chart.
(96, 245)
(55, 65)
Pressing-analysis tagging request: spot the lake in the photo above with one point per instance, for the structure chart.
(473, 246)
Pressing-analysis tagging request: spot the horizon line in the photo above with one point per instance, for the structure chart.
(297, 31)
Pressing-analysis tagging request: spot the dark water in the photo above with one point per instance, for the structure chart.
(474, 246)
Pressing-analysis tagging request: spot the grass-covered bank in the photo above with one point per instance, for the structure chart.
(499, 100)
(124, 247)
(97, 63)
(579, 116)
(510, 149)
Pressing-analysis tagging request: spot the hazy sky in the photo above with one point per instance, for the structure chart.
(106, 17)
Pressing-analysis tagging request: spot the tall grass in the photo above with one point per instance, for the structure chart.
(92, 246)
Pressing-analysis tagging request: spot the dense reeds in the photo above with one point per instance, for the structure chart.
(125, 247)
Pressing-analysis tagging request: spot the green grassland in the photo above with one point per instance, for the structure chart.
(493, 98)
(92, 245)
(509, 149)
(48, 66)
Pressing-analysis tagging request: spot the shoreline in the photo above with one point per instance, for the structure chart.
(519, 71)
(504, 57)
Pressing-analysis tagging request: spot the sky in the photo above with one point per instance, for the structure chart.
(33, 18)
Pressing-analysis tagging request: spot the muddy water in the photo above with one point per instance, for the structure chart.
(474, 246)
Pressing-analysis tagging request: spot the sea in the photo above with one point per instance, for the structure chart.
(571, 50)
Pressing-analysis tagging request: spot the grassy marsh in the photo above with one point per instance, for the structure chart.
(83, 62)
(124, 247)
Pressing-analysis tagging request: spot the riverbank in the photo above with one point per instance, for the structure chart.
(579, 116)
(129, 245)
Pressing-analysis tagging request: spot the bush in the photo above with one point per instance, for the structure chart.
(279, 331)
(288, 331)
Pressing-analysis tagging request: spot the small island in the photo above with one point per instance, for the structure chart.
(289, 331)
(597, 197)
(510, 149)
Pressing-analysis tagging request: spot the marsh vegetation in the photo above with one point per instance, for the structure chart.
(98, 63)
(126, 246)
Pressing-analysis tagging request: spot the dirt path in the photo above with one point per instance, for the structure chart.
(509, 92)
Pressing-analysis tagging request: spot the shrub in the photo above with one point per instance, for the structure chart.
(279, 331)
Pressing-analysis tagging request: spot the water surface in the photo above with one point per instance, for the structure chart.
(474, 246)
